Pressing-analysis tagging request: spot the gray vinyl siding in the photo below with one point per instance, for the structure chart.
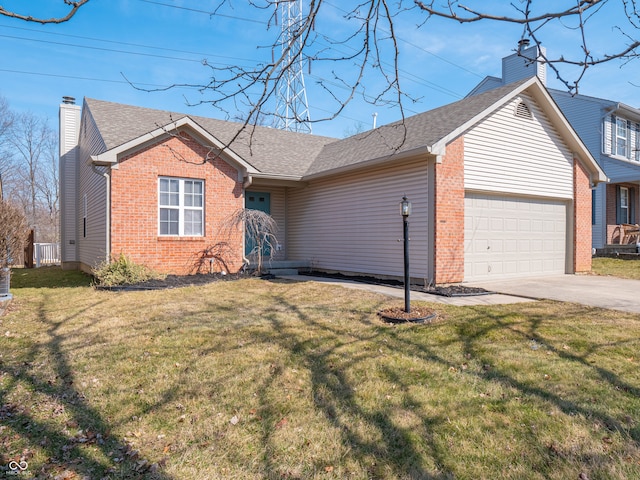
(93, 248)
(510, 154)
(516, 67)
(352, 222)
(620, 171)
(69, 128)
(585, 116)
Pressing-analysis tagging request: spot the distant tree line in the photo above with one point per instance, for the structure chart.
(29, 170)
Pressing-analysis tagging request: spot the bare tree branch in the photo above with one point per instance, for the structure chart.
(75, 6)
(535, 26)
(365, 51)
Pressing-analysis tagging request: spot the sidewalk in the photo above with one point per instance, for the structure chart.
(494, 299)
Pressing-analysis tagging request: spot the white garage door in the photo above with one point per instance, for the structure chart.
(513, 237)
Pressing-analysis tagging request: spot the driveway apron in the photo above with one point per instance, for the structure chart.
(592, 290)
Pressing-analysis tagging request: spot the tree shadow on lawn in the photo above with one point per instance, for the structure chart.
(394, 453)
(397, 437)
(418, 449)
(68, 455)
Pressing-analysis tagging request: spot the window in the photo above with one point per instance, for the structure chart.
(626, 202)
(621, 139)
(624, 205)
(181, 207)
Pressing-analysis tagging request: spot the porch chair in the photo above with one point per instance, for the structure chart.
(629, 233)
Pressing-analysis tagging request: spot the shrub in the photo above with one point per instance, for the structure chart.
(123, 271)
(13, 232)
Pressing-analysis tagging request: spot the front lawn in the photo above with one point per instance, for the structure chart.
(273, 379)
(616, 267)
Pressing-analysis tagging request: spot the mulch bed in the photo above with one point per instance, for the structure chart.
(418, 314)
(176, 281)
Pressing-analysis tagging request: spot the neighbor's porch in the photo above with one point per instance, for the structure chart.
(622, 228)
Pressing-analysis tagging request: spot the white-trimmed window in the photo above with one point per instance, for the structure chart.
(180, 207)
(621, 140)
(624, 205)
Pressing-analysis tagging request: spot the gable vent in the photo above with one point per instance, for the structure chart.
(522, 110)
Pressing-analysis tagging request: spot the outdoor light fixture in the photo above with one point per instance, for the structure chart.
(405, 211)
(405, 207)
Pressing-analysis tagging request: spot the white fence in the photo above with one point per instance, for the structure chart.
(46, 254)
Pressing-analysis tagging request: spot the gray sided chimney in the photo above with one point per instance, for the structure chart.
(68, 165)
(525, 63)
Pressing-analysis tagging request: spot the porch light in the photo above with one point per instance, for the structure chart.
(405, 207)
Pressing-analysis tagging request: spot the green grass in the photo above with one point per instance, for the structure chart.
(256, 379)
(616, 267)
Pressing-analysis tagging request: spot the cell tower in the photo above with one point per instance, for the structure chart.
(292, 108)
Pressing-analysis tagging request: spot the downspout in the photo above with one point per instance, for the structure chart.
(246, 184)
(107, 179)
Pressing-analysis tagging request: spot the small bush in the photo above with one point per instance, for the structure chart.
(123, 271)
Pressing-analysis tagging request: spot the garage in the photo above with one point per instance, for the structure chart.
(509, 236)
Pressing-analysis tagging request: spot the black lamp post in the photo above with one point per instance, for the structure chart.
(405, 211)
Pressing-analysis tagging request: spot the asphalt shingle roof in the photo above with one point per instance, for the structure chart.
(424, 129)
(269, 150)
(278, 152)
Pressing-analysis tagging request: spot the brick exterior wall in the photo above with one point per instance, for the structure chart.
(134, 208)
(582, 219)
(449, 215)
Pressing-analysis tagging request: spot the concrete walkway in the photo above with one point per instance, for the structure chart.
(494, 299)
(593, 290)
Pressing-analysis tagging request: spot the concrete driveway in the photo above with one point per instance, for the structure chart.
(593, 290)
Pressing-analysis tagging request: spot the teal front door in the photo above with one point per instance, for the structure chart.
(256, 201)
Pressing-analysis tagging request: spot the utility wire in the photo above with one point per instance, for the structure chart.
(112, 50)
(410, 76)
(74, 77)
(211, 14)
(115, 42)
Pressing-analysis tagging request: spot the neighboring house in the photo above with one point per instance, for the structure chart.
(611, 132)
(500, 185)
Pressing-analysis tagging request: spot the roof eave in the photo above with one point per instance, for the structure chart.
(415, 152)
(110, 157)
(276, 180)
(629, 111)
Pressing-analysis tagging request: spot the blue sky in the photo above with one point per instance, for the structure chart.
(159, 43)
